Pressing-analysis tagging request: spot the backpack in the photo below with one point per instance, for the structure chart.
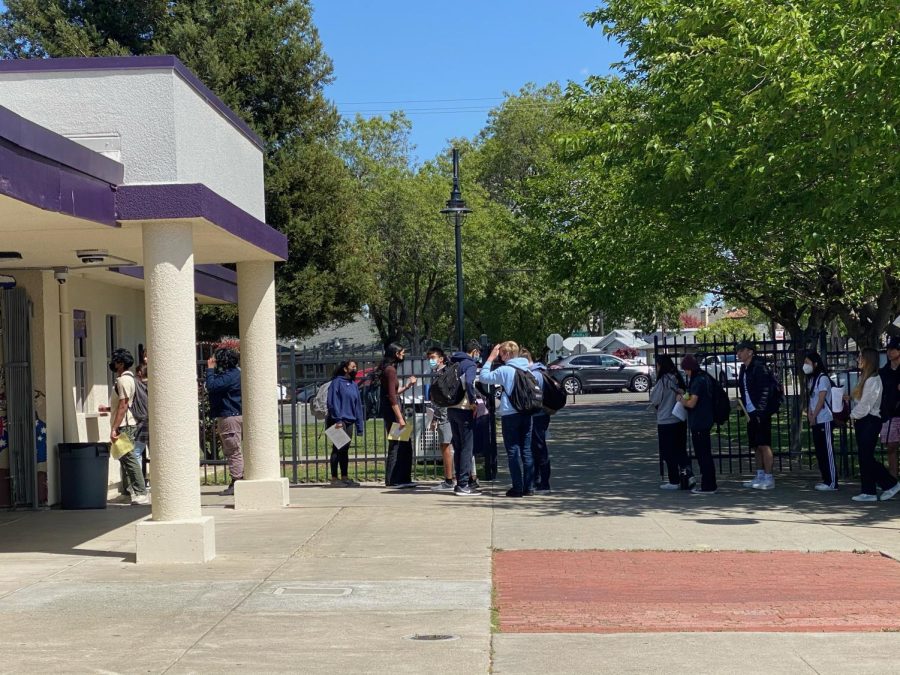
(371, 397)
(554, 394)
(318, 405)
(140, 406)
(720, 400)
(526, 395)
(777, 395)
(447, 387)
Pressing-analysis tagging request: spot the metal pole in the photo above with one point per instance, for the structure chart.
(460, 325)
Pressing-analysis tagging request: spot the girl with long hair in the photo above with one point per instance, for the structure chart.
(671, 430)
(345, 411)
(398, 466)
(867, 423)
(818, 390)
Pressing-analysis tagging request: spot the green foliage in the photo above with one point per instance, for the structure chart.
(726, 329)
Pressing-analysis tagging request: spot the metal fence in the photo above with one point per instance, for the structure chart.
(306, 452)
(791, 435)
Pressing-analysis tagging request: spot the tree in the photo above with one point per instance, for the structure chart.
(265, 60)
(725, 330)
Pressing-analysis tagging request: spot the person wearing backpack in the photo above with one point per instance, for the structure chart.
(223, 384)
(462, 420)
(699, 403)
(818, 389)
(890, 403)
(345, 411)
(140, 407)
(398, 464)
(515, 379)
(440, 422)
(540, 425)
(671, 430)
(758, 392)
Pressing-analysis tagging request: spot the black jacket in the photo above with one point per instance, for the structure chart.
(759, 384)
(890, 397)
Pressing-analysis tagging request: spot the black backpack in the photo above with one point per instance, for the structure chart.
(721, 402)
(139, 404)
(777, 395)
(447, 388)
(554, 394)
(526, 395)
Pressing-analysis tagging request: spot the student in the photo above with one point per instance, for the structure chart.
(867, 423)
(513, 423)
(671, 430)
(537, 436)
(463, 421)
(437, 361)
(890, 403)
(756, 389)
(699, 403)
(223, 384)
(345, 411)
(818, 389)
(398, 467)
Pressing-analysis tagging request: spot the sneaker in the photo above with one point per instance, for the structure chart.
(227, 492)
(700, 491)
(474, 484)
(403, 485)
(465, 491)
(824, 487)
(444, 486)
(337, 482)
(863, 497)
(887, 494)
(754, 482)
(140, 500)
(512, 492)
(669, 486)
(528, 493)
(767, 483)
(349, 482)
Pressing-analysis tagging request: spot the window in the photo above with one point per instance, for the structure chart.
(112, 343)
(585, 361)
(611, 362)
(79, 321)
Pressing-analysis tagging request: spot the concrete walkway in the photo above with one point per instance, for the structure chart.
(339, 581)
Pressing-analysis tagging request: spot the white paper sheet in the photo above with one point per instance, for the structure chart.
(337, 436)
(429, 415)
(680, 411)
(837, 399)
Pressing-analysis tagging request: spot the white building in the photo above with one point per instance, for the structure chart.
(134, 157)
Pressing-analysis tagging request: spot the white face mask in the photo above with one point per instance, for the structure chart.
(808, 369)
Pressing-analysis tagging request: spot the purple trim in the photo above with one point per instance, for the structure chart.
(133, 63)
(209, 280)
(195, 200)
(35, 138)
(43, 183)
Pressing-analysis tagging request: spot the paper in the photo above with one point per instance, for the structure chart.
(680, 411)
(743, 407)
(337, 436)
(398, 433)
(837, 399)
(121, 447)
(429, 416)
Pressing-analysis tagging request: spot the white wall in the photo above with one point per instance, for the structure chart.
(167, 133)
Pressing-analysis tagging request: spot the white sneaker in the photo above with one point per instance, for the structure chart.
(140, 500)
(754, 482)
(887, 494)
(700, 491)
(863, 497)
(767, 483)
(669, 486)
(824, 487)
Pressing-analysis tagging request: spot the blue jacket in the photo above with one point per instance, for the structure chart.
(469, 372)
(505, 376)
(224, 391)
(344, 403)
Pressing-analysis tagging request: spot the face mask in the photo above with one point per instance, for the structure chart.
(433, 363)
(352, 374)
(808, 369)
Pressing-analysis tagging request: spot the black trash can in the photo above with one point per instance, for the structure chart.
(83, 475)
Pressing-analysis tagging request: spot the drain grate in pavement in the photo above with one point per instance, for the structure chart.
(319, 591)
(432, 638)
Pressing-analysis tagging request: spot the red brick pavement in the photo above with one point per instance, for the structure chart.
(656, 591)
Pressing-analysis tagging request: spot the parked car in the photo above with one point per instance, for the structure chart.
(304, 394)
(723, 367)
(583, 372)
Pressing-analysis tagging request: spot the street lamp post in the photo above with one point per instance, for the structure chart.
(456, 211)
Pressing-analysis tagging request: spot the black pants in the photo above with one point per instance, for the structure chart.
(703, 451)
(462, 421)
(398, 466)
(540, 452)
(871, 471)
(673, 449)
(824, 442)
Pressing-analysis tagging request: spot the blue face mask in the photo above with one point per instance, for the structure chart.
(433, 363)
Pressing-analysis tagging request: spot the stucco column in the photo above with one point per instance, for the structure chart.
(177, 532)
(263, 486)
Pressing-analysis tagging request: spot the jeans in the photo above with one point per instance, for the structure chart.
(134, 473)
(398, 465)
(673, 449)
(536, 440)
(703, 451)
(515, 428)
(871, 471)
(462, 421)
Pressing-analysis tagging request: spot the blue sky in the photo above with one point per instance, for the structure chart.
(447, 63)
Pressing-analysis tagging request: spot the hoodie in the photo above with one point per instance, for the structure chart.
(344, 403)
(469, 371)
(505, 376)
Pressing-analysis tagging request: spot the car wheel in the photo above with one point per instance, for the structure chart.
(572, 385)
(640, 383)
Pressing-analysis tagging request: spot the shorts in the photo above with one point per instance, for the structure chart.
(759, 431)
(890, 431)
(445, 433)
